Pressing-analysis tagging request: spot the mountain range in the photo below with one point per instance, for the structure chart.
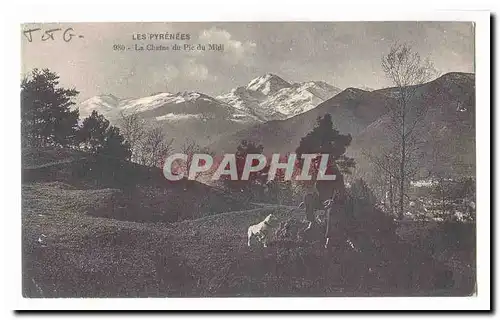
(277, 114)
(448, 128)
(205, 119)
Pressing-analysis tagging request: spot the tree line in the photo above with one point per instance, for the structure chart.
(48, 118)
(322, 139)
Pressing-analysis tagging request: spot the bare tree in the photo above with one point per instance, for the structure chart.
(407, 71)
(154, 147)
(385, 176)
(189, 148)
(133, 129)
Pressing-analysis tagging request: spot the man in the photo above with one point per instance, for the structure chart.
(321, 191)
(332, 196)
(335, 206)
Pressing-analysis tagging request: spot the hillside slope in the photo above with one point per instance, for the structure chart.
(449, 124)
(133, 192)
(69, 253)
(352, 110)
(448, 129)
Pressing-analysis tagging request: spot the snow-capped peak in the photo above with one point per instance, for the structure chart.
(269, 97)
(101, 103)
(111, 105)
(105, 100)
(299, 98)
(265, 98)
(267, 84)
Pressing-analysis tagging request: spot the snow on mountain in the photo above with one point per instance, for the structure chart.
(102, 104)
(182, 115)
(265, 98)
(267, 84)
(203, 118)
(271, 98)
(154, 101)
(178, 117)
(174, 107)
(249, 101)
(300, 97)
(448, 125)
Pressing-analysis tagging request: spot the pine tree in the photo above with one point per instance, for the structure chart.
(255, 178)
(324, 139)
(114, 144)
(46, 115)
(98, 137)
(92, 132)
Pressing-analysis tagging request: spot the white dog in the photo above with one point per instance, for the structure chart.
(262, 230)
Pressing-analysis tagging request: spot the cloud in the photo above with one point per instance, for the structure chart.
(234, 50)
(171, 72)
(321, 51)
(196, 71)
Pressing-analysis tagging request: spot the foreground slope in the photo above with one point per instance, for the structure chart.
(69, 253)
(132, 192)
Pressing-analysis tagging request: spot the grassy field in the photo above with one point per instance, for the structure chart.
(131, 192)
(99, 227)
(67, 252)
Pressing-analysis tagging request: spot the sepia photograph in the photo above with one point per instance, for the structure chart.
(249, 159)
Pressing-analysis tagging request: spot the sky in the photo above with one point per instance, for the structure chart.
(344, 54)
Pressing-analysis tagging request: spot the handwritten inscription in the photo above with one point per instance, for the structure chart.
(51, 34)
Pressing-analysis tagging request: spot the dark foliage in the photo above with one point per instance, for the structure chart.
(47, 119)
(98, 137)
(360, 191)
(255, 178)
(324, 139)
(46, 115)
